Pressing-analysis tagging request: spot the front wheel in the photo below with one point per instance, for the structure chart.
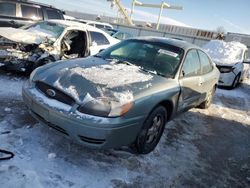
(151, 131)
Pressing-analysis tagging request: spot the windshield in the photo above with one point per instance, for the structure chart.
(155, 57)
(47, 29)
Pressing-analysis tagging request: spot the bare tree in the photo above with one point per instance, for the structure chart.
(221, 32)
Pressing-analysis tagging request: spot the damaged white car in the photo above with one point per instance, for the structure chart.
(32, 46)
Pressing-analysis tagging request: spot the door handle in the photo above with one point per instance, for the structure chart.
(200, 82)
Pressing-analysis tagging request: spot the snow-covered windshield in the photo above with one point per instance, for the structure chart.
(225, 52)
(47, 29)
(155, 57)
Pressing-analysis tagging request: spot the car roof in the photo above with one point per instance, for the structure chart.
(71, 23)
(175, 42)
(95, 22)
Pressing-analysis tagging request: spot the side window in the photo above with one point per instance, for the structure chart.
(247, 56)
(30, 12)
(191, 65)
(119, 36)
(99, 38)
(7, 9)
(53, 14)
(206, 65)
(108, 27)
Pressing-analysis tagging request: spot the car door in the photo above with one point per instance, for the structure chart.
(207, 78)
(74, 41)
(190, 81)
(98, 42)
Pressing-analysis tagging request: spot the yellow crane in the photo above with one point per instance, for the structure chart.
(128, 18)
(122, 10)
(161, 6)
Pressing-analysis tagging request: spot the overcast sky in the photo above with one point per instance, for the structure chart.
(233, 15)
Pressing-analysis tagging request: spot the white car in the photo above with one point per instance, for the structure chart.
(26, 48)
(231, 59)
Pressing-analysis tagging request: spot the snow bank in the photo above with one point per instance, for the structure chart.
(11, 87)
(225, 52)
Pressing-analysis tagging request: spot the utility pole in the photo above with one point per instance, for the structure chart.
(161, 6)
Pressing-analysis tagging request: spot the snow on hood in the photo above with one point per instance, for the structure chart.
(23, 36)
(112, 75)
(225, 52)
(106, 79)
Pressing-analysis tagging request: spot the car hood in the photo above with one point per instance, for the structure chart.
(95, 77)
(227, 64)
(22, 36)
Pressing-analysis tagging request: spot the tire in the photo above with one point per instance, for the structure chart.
(151, 131)
(235, 82)
(207, 103)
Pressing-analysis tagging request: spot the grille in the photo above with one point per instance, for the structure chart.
(61, 130)
(59, 96)
(91, 140)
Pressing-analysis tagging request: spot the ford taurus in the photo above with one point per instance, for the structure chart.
(125, 94)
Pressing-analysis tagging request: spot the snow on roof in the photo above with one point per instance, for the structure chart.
(225, 52)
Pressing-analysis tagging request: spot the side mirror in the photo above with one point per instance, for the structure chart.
(101, 50)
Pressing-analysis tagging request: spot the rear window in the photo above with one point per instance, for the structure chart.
(30, 12)
(99, 26)
(54, 14)
(7, 9)
(206, 64)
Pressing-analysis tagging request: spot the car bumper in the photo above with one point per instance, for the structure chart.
(226, 79)
(93, 132)
(19, 66)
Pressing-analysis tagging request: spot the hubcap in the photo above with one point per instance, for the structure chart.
(155, 129)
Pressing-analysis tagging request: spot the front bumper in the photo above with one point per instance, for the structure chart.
(226, 79)
(18, 65)
(14, 61)
(90, 131)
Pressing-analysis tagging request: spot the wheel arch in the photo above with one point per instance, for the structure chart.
(168, 105)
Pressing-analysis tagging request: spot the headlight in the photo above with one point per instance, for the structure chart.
(105, 107)
(226, 69)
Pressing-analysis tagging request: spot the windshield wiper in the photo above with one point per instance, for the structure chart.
(152, 72)
(99, 56)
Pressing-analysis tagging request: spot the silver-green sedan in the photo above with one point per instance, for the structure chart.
(125, 94)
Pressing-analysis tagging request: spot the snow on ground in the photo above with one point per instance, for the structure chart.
(190, 154)
(225, 52)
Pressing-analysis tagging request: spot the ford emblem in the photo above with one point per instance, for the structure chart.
(51, 93)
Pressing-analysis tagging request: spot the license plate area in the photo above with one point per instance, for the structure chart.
(39, 109)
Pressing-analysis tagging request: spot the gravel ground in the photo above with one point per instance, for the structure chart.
(201, 148)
